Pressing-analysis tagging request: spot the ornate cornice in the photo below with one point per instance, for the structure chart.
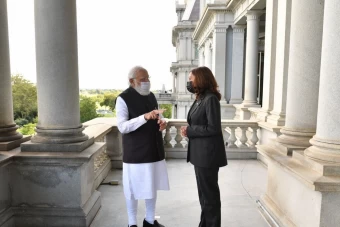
(206, 24)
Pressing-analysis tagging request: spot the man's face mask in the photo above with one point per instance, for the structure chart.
(143, 88)
(190, 87)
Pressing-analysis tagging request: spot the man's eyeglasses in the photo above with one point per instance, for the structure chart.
(146, 79)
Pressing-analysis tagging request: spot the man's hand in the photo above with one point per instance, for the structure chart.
(162, 124)
(153, 115)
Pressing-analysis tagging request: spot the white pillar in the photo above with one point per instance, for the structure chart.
(250, 89)
(278, 114)
(208, 54)
(182, 47)
(303, 73)
(269, 59)
(326, 142)
(173, 82)
(57, 74)
(237, 65)
(229, 63)
(219, 58)
(201, 56)
(7, 126)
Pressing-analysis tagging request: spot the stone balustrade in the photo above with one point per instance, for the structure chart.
(240, 138)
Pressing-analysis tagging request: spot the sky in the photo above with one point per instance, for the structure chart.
(113, 36)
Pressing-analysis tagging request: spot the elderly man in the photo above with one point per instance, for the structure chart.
(144, 167)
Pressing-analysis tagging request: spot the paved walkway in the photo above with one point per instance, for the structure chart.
(242, 182)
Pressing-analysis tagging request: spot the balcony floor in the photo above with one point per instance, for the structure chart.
(242, 182)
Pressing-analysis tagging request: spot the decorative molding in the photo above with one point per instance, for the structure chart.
(206, 25)
(220, 30)
(239, 29)
(254, 14)
(100, 160)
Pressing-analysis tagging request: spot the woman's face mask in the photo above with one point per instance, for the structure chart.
(190, 87)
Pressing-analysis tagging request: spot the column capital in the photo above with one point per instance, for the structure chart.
(254, 14)
(220, 29)
(239, 28)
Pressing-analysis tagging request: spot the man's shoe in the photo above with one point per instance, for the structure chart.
(132, 225)
(155, 224)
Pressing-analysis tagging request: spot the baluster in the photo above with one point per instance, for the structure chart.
(232, 138)
(178, 137)
(167, 137)
(185, 142)
(254, 138)
(173, 133)
(225, 134)
(243, 138)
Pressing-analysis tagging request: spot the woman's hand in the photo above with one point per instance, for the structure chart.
(162, 124)
(184, 131)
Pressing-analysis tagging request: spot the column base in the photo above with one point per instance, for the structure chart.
(235, 101)
(7, 146)
(59, 188)
(227, 111)
(242, 111)
(9, 133)
(323, 150)
(293, 139)
(59, 136)
(43, 147)
(278, 119)
(290, 180)
(262, 115)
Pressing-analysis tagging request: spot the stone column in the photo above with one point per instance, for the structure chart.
(229, 63)
(304, 74)
(250, 90)
(237, 65)
(269, 59)
(173, 82)
(219, 58)
(201, 56)
(57, 78)
(7, 126)
(208, 54)
(278, 114)
(326, 142)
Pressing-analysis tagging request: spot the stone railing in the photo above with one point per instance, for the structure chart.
(105, 130)
(240, 138)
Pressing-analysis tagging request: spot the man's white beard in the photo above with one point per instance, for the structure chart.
(138, 88)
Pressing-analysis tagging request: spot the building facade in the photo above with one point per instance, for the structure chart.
(276, 62)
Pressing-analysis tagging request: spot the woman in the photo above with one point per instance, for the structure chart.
(206, 150)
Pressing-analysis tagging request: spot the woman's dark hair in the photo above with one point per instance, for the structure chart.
(205, 81)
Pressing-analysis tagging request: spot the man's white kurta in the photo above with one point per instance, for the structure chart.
(144, 179)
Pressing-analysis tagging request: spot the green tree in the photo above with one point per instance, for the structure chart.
(168, 110)
(24, 98)
(109, 100)
(87, 109)
(27, 129)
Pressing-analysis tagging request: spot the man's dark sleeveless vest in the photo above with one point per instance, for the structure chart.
(145, 144)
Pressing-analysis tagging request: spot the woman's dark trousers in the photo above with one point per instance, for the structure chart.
(209, 195)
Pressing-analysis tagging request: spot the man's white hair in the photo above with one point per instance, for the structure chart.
(134, 70)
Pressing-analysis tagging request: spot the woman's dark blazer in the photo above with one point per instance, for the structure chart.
(206, 146)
